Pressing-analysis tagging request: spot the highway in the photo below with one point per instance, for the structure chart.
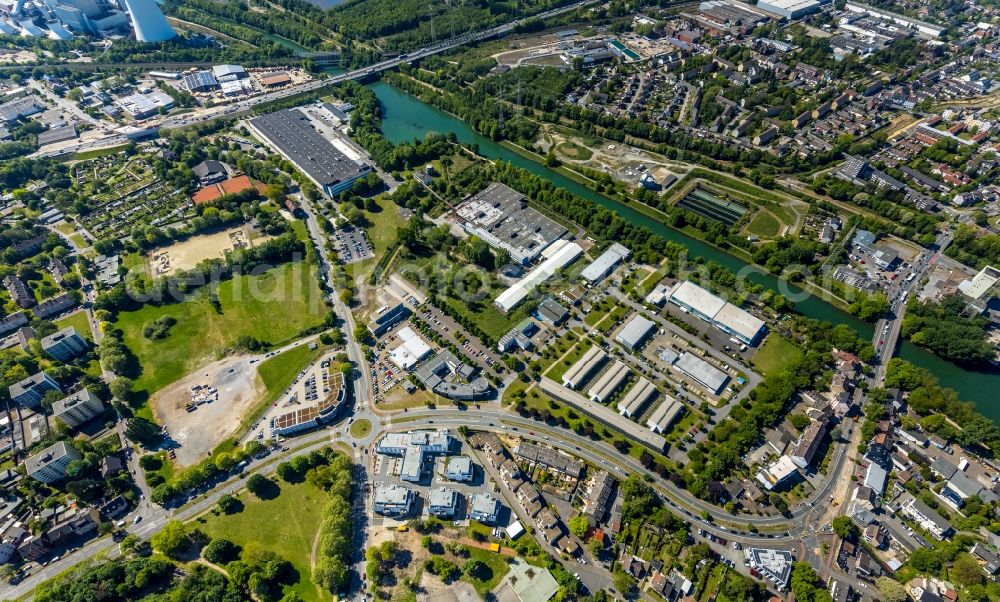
(122, 135)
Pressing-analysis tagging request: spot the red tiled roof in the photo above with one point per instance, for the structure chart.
(230, 186)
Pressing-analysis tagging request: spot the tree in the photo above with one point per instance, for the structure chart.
(624, 583)
(259, 485)
(143, 431)
(966, 570)
(229, 504)
(220, 551)
(844, 527)
(172, 540)
(121, 388)
(578, 525)
(475, 569)
(891, 590)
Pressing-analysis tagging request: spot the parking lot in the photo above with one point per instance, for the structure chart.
(352, 245)
(448, 328)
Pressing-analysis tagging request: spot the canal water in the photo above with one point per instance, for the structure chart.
(405, 117)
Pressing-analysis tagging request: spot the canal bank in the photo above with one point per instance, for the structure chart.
(404, 117)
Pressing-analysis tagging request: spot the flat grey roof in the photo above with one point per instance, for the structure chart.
(290, 131)
(503, 215)
(633, 333)
(706, 374)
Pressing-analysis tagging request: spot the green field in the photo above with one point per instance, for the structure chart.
(381, 232)
(498, 567)
(764, 225)
(78, 321)
(273, 307)
(278, 372)
(775, 354)
(285, 525)
(360, 428)
(559, 367)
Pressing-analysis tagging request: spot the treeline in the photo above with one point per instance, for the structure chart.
(291, 24)
(899, 216)
(331, 472)
(125, 295)
(408, 23)
(975, 248)
(206, 471)
(942, 411)
(182, 50)
(943, 329)
(137, 578)
(366, 128)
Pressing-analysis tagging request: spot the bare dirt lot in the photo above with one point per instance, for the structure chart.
(199, 432)
(189, 253)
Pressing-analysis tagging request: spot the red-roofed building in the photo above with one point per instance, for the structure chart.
(231, 186)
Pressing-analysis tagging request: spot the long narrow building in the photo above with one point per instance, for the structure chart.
(664, 415)
(583, 368)
(609, 382)
(637, 398)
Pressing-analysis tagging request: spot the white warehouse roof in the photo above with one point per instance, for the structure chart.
(691, 295)
(557, 256)
(603, 265)
(633, 333)
(738, 321)
(411, 350)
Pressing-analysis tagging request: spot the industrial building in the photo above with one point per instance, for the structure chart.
(200, 81)
(632, 335)
(609, 382)
(725, 316)
(501, 216)
(386, 317)
(637, 398)
(605, 415)
(444, 365)
(664, 415)
(290, 132)
(392, 500)
(484, 508)
(77, 408)
(557, 255)
(64, 344)
(789, 9)
(411, 350)
(584, 367)
(148, 22)
(702, 372)
(29, 392)
(606, 263)
(416, 448)
(442, 502)
(141, 106)
(49, 465)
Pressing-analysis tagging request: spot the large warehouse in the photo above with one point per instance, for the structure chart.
(557, 256)
(296, 139)
(501, 216)
(789, 9)
(725, 316)
(603, 265)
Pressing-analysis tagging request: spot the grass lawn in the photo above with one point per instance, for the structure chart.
(381, 233)
(78, 321)
(65, 227)
(300, 229)
(278, 372)
(285, 525)
(498, 567)
(764, 225)
(775, 354)
(273, 307)
(560, 367)
(493, 322)
(79, 241)
(361, 428)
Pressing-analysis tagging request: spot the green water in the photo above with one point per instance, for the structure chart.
(405, 117)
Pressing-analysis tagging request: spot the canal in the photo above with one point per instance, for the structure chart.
(405, 117)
